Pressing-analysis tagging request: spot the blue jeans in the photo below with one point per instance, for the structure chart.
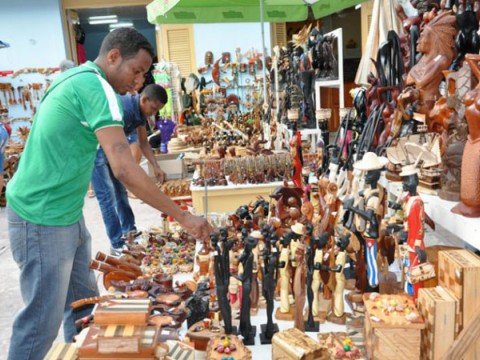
(53, 262)
(113, 200)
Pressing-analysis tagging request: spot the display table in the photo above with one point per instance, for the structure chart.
(467, 229)
(229, 198)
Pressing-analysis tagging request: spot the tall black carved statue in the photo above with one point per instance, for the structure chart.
(310, 324)
(269, 282)
(222, 277)
(246, 329)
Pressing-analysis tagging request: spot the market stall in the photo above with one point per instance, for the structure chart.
(321, 246)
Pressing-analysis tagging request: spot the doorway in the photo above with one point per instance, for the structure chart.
(96, 22)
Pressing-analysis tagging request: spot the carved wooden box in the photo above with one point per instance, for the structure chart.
(292, 344)
(389, 334)
(119, 342)
(122, 311)
(437, 306)
(459, 271)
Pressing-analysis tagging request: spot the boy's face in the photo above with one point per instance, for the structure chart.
(149, 107)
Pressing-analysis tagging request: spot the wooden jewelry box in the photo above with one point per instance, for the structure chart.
(122, 311)
(296, 345)
(119, 342)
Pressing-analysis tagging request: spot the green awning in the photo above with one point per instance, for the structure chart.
(229, 11)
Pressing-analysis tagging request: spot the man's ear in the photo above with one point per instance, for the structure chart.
(143, 100)
(114, 57)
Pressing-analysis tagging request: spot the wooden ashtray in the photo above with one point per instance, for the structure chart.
(164, 280)
(169, 299)
(183, 291)
(201, 335)
(161, 320)
(192, 285)
(137, 294)
(115, 276)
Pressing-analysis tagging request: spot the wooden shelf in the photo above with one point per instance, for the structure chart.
(467, 229)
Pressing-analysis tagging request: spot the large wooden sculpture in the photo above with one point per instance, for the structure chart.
(437, 44)
(470, 186)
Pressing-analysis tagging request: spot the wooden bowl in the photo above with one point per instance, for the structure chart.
(169, 299)
(137, 294)
(161, 320)
(164, 280)
(114, 275)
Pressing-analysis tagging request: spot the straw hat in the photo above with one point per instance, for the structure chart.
(371, 161)
(298, 228)
(408, 170)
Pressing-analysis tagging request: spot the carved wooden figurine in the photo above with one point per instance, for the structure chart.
(246, 329)
(338, 315)
(203, 261)
(373, 195)
(299, 284)
(310, 324)
(320, 244)
(283, 312)
(414, 223)
(269, 281)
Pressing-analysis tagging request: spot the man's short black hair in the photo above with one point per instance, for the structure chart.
(155, 92)
(129, 41)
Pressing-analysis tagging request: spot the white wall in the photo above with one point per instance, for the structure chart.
(33, 28)
(220, 38)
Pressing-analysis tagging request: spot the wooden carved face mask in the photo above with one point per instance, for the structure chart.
(226, 57)
(208, 58)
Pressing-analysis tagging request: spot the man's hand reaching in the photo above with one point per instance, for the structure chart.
(196, 226)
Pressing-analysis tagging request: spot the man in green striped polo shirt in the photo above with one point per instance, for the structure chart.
(48, 237)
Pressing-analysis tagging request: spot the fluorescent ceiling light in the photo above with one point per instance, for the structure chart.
(103, 17)
(121, 24)
(108, 19)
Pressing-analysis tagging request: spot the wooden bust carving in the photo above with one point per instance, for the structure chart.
(470, 186)
(437, 44)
